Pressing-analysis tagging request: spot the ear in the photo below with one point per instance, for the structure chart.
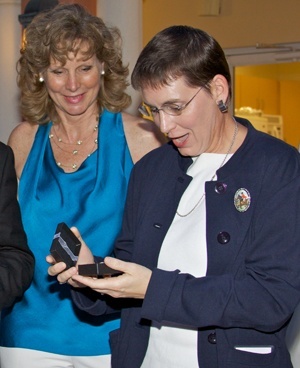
(219, 88)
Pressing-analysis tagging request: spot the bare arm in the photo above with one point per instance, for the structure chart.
(142, 136)
(21, 140)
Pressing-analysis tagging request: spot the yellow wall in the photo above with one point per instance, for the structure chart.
(289, 108)
(240, 23)
(274, 89)
(280, 71)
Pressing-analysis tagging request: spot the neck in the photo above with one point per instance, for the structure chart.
(224, 136)
(75, 128)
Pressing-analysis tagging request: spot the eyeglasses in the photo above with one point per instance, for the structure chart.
(170, 109)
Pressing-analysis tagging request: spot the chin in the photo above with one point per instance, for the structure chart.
(185, 152)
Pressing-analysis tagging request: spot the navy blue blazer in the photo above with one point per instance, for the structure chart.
(252, 284)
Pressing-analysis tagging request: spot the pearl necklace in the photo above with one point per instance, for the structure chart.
(212, 178)
(74, 151)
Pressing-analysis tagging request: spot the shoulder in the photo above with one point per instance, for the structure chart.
(142, 135)
(263, 145)
(163, 160)
(282, 160)
(272, 148)
(273, 161)
(21, 140)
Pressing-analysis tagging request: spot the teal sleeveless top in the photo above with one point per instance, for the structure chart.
(92, 199)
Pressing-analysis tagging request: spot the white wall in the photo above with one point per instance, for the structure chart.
(127, 16)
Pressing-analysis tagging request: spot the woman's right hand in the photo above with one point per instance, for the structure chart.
(58, 268)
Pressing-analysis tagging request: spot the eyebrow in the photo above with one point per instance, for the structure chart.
(170, 102)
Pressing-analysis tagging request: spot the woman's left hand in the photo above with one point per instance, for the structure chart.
(132, 283)
(59, 270)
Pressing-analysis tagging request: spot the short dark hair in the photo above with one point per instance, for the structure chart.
(180, 51)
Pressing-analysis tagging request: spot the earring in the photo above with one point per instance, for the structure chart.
(41, 79)
(222, 106)
(102, 72)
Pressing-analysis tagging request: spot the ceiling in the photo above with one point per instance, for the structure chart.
(263, 54)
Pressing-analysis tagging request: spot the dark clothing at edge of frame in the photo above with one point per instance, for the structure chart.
(16, 260)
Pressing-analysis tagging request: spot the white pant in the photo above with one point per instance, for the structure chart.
(27, 358)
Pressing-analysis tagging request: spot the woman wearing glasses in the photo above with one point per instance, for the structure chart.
(209, 247)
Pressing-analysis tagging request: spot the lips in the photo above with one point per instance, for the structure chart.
(74, 99)
(180, 141)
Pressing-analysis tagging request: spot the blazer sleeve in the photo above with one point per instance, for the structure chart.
(16, 259)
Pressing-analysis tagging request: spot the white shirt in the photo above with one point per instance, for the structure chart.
(172, 345)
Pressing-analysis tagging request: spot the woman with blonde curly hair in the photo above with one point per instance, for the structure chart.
(73, 155)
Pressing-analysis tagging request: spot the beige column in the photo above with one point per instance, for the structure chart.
(10, 36)
(127, 16)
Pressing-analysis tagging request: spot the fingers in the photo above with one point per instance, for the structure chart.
(132, 283)
(85, 254)
(59, 270)
(56, 268)
(109, 285)
(117, 264)
(50, 259)
(63, 277)
(76, 232)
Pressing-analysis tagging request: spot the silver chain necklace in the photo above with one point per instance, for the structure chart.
(223, 162)
(75, 151)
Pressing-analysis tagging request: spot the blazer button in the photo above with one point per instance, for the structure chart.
(220, 188)
(223, 237)
(212, 338)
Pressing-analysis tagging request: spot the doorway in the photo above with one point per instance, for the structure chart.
(266, 78)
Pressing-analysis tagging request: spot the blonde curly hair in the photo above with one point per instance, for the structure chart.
(53, 35)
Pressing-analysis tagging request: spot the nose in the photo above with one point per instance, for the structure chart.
(72, 82)
(166, 122)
